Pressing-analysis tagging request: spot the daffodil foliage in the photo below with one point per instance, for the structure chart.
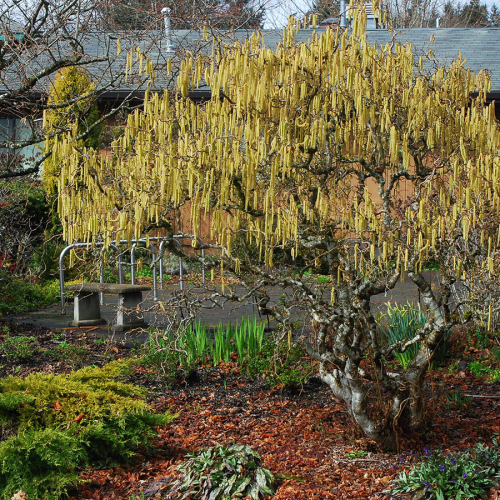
(368, 161)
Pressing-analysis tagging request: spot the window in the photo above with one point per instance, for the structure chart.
(14, 130)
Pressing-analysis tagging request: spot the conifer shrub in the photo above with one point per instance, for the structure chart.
(61, 423)
(71, 111)
(41, 463)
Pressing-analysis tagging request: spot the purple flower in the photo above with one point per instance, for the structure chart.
(441, 468)
(453, 460)
(465, 475)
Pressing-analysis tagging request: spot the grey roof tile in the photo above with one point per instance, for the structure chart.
(479, 46)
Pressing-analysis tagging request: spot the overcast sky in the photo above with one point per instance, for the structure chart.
(277, 11)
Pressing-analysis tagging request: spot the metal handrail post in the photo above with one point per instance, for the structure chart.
(155, 274)
(178, 237)
(160, 252)
(101, 265)
(132, 263)
(181, 281)
(101, 274)
(101, 278)
(61, 267)
(162, 243)
(203, 257)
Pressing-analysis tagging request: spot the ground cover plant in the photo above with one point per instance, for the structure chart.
(18, 347)
(467, 474)
(222, 472)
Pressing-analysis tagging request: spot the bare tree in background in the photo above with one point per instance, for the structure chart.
(471, 14)
(412, 13)
(401, 13)
(451, 14)
(192, 14)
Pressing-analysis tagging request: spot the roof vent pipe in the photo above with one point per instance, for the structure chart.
(168, 31)
(343, 22)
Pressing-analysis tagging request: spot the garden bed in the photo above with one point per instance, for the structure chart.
(303, 434)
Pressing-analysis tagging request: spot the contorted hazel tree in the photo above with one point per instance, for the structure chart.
(346, 154)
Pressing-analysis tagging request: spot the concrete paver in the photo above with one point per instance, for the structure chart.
(227, 313)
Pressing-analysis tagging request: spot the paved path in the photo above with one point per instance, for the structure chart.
(228, 312)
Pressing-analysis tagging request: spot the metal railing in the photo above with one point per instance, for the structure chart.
(178, 237)
(133, 263)
(101, 267)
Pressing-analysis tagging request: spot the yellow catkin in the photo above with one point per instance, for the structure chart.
(291, 149)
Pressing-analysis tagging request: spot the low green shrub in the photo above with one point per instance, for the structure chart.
(16, 295)
(356, 454)
(496, 355)
(280, 362)
(323, 279)
(482, 369)
(221, 473)
(75, 355)
(478, 369)
(457, 476)
(41, 463)
(18, 347)
(92, 416)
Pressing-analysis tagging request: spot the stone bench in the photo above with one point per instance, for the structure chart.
(87, 310)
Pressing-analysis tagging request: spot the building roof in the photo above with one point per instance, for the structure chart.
(479, 46)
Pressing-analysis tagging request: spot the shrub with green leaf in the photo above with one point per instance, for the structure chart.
(75, 355)
(465, 475)
(281, 362)
(484, 369)
(18, 347)
(24, 214)
(16, 295)
(221, 473)
(323, 279)
(90, 416)
(41, 463)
